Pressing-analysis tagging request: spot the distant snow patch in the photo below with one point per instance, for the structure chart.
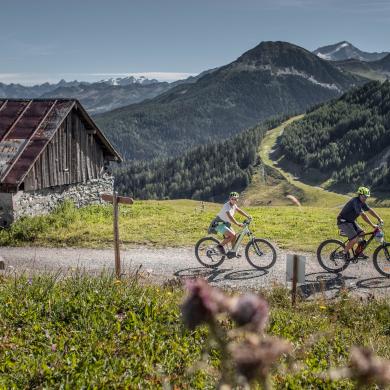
(324, 56)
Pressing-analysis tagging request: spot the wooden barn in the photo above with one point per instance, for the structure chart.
(50, 150)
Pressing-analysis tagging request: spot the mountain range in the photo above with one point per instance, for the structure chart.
(271, 79)
(96, 97)
(344, 50)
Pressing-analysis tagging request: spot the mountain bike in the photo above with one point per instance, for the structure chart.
(259, 253)
(331, 258)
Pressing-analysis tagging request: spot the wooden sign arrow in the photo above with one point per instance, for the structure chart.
(119, 199)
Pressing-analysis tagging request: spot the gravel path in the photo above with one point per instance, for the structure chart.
(163, 265)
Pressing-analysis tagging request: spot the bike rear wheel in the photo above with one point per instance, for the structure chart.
(260, 253)
(207, 253)
(381, 260)
(329, 255)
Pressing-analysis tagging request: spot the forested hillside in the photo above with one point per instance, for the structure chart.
(207, 172)
(348, 139)
(273, 78)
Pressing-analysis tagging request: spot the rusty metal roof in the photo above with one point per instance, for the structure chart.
(26, 127)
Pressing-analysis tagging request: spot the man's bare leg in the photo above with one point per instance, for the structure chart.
(352, 242)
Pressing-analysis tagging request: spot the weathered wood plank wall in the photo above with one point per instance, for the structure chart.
(73, 155)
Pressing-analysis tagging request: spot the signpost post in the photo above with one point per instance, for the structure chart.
(295, 273)
(115, 200)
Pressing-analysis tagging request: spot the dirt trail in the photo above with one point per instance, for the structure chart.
(162, 265)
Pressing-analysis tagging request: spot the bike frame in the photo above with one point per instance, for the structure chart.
(372, 234)
(244, 232)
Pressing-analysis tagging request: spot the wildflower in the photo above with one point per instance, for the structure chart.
(54, 347)
(254, 357)
(368, 368)
(250, 310)
(30, 281)
(202, 303)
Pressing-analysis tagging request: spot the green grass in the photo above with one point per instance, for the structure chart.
(85, 332)
(170, 223)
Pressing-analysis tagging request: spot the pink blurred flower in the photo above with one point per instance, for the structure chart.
(254, 357)
(368, 368)
(250, 310)
(202, 303)
(54, 347)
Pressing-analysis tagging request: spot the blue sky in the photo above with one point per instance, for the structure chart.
(45, 40)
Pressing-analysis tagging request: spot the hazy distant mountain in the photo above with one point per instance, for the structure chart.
(383, 65)
(97, 97)
(129, 80)
(271, 79)
(374, 70)
(344, 50)
(108, 95)
(18, 91)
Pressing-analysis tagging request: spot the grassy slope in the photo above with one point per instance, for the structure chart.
(274, 191)
(84, 332)
(170, 223)
(311, 196)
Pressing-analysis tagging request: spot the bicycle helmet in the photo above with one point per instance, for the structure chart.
(364, 191)
(234, 194)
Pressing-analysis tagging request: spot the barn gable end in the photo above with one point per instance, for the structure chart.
(47, 148)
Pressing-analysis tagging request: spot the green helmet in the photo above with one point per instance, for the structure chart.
(364, 191)
(234, 194)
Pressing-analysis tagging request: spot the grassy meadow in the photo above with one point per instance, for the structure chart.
(85, 332)
(170, 223)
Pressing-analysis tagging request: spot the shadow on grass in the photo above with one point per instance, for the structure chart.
(220, 274)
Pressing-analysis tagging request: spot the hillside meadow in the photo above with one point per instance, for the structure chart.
(96, 332)
(170, 223)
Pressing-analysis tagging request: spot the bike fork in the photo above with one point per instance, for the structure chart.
(257, 249)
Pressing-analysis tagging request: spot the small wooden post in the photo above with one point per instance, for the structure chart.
(115, 200)
(294, 281)
(116, 236)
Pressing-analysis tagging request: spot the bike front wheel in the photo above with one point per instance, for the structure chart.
(260, 253)
(330, 256)
(207, 253)
(381, 259)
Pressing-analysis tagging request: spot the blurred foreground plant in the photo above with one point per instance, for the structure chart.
(247, 354)
(365, 368)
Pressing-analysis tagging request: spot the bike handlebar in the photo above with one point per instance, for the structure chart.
(247, 221)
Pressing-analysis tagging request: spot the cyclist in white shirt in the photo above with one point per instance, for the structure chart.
(223, 221)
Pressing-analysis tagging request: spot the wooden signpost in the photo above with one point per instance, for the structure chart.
(115, 200)
(295, 273)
